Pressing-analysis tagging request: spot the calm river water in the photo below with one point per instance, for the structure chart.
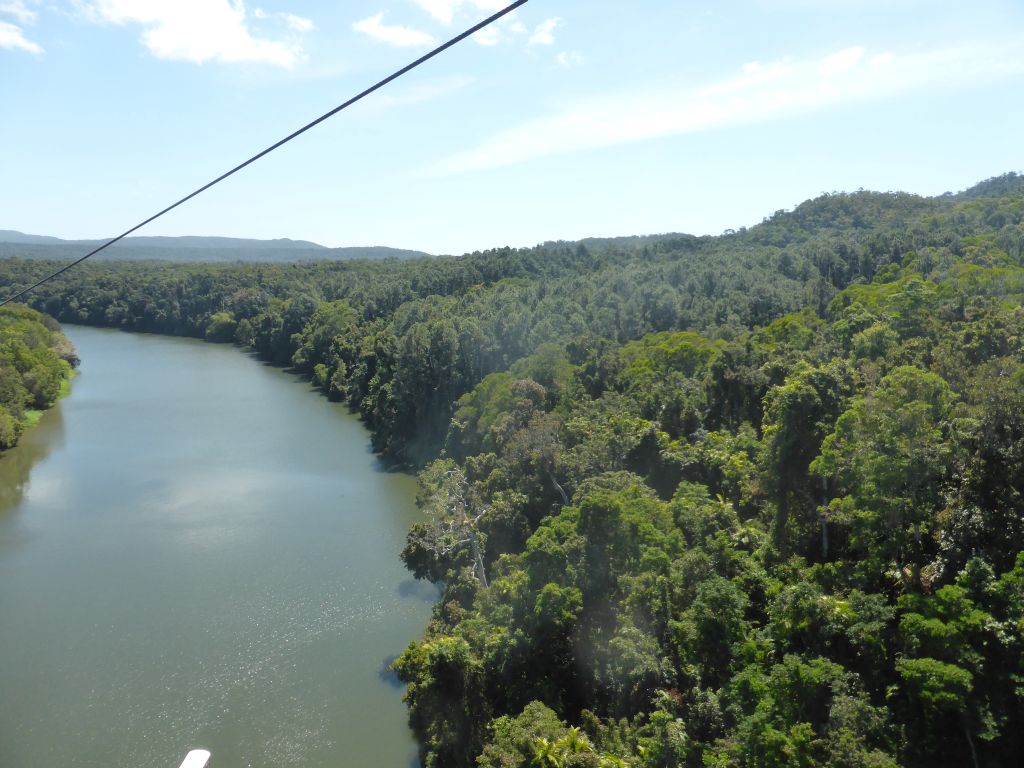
(196, 550)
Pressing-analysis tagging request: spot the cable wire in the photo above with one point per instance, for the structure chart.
(380, 84)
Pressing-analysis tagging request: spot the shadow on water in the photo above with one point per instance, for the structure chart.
(35, 445)
(418, 590)
(385, 465)
(382, 464)
(388, 675)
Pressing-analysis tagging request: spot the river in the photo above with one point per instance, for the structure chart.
(197, 550)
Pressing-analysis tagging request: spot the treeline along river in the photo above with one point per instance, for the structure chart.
(197, 550)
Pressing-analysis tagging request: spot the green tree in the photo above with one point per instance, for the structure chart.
(890, 453)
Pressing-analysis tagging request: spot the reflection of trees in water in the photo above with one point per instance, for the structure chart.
(35, 445)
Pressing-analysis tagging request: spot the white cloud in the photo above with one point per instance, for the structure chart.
(293, 22)
(488, 36)
(298, 23)
(544, 34)
(197, 30)
(842, 61)
(762, 92)
(569, 59)
(395, 34)
(754, 73)
(444, 10)
(13, 38)
(18, 10)
(506, 27)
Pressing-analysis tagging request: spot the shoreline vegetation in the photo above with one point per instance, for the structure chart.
(749, 500)
(33, 415)
(37, 363)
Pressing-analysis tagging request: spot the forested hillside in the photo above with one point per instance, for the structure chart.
(35, 365)
(750, 500)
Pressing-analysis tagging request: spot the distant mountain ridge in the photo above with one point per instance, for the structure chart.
(838, 211)
(192, 248)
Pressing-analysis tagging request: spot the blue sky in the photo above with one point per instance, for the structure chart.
(573, 118)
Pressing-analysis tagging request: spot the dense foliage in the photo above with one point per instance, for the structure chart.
(428, 330)
(35, 363)
(753, 500)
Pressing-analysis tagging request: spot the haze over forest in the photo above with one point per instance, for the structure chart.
(189, 249)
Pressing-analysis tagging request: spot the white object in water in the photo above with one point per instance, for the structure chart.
(197, 758)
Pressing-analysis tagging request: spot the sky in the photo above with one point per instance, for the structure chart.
(568, 119)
